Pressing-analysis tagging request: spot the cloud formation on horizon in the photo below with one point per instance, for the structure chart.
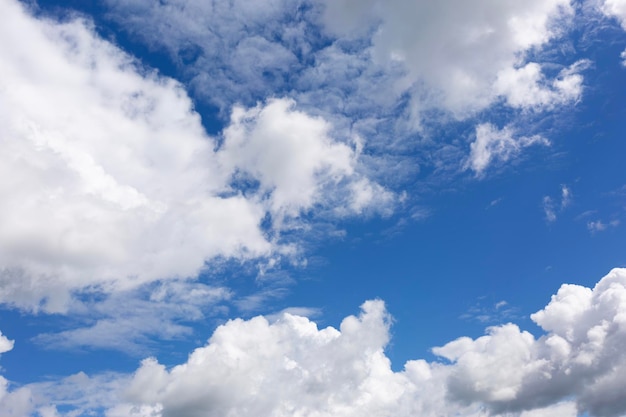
(290, 367)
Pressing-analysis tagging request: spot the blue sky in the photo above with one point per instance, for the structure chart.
(329, 208)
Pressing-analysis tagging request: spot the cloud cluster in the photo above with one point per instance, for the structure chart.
(290, 367)
(110, 181)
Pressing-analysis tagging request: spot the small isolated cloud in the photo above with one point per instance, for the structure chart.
(548, 209)
(552, 207)
(493, 145)
(494, 203)
(600, 226)
(566, 196)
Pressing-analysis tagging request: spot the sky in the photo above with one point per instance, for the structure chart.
(312, 208)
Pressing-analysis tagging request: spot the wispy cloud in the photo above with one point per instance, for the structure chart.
(551, 207)
(548, 209)
(494, 145)
(599, 226)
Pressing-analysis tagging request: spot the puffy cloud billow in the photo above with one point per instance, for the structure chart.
(109, 180)
(291, 368)
(477, 52)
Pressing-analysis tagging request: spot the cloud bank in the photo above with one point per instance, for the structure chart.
(292, 368)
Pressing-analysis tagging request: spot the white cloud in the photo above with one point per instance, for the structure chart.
(17, 402)
(5, 344)
(497, 145)
(378, 69)
(552, 207)
(600, 226)
(466, 54)
(548, 209)
(292, 156)
(616, 9)
(290, 367)
(77, 395)
(110, 180)
(566, 196)
(527, 87)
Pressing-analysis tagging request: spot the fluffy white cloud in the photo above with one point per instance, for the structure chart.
(290, 367)
(466, 54)
(493, 144)
(616, 9)
(109, 180)
(290, 153)
(106, 172)
(5, 344)
(527, 88)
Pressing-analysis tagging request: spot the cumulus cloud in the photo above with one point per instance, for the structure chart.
(290, 367)
(476, 50)
(110, 180)
(290, 153)
(497, 145)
